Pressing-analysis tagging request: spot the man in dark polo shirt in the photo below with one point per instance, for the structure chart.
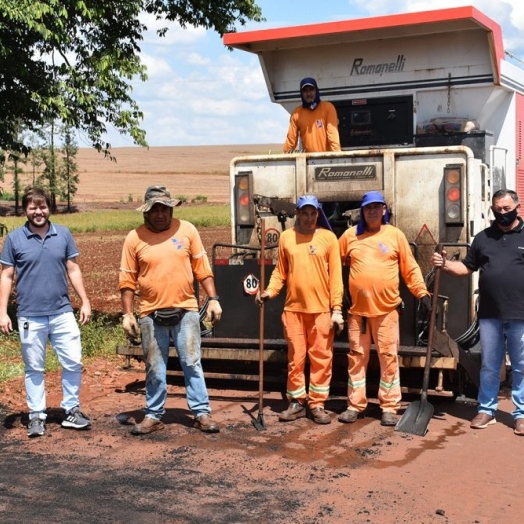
(498, 251)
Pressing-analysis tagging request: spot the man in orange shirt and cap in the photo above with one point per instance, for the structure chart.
(309, 264)
(162, 258)
(315, 121)
(376, 251)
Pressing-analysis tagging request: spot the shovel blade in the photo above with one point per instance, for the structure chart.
(259, 423)
(415, 419)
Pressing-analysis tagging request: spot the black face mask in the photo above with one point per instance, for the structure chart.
(505, 219)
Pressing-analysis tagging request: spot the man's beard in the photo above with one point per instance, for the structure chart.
(38, 224)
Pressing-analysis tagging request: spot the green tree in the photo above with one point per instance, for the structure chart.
(218, 15)
(3, 156)
(73, 61)
(48, 178)
(16, 157)
(35, 158)
(68, 170)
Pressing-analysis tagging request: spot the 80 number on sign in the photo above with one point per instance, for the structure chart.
(272, 235)
(251, 284)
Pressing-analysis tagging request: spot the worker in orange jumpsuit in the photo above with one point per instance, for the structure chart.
(315, 121)
(376, 251)
(310, 266)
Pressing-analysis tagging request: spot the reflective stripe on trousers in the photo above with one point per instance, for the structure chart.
(384, 330)
(309, 335)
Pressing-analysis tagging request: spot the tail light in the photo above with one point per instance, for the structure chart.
(453, 177)
(244, 207)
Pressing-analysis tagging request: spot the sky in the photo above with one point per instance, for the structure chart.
(200, 93)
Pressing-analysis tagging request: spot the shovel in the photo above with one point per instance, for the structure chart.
(259, 421)
(415, 419)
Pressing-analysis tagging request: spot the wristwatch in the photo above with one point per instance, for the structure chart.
(216, 297)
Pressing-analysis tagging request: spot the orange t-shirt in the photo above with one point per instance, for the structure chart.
(318, 129)
(311, 268)
(162, 266)
(375, 262)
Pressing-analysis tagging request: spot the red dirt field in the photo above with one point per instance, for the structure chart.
(291, 473)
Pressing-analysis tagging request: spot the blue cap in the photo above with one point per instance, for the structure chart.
(372, 197)
(308, 200)
(311, 200)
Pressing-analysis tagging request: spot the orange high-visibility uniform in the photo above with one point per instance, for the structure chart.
(375, 260)
(318, 129)
(384, 331)
(310, 266)
(151, 262)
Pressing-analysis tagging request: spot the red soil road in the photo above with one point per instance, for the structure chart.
(291, 473)
(294, 473)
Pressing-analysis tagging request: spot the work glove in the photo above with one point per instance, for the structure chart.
(262, 297)
(337, 321)
(131, 326)
(426, 302)
(214, 311)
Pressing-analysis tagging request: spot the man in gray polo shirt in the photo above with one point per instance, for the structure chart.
(43, 257)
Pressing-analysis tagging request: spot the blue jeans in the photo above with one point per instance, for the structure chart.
(497, 336)
(64, 335)
(155, 344)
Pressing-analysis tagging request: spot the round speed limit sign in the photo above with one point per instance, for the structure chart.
(251, 284)
(272, 236)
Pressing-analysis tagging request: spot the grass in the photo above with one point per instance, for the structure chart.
(101, 336)
(123, 220)
(104, 333)
(11, 364)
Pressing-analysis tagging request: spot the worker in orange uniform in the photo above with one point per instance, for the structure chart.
(309, 264)
(315, 121)
(376, 251)
(161, 259)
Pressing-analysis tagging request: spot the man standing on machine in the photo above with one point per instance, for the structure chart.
(314, 121)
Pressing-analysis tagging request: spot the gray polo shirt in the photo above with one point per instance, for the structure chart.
(40, 268)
